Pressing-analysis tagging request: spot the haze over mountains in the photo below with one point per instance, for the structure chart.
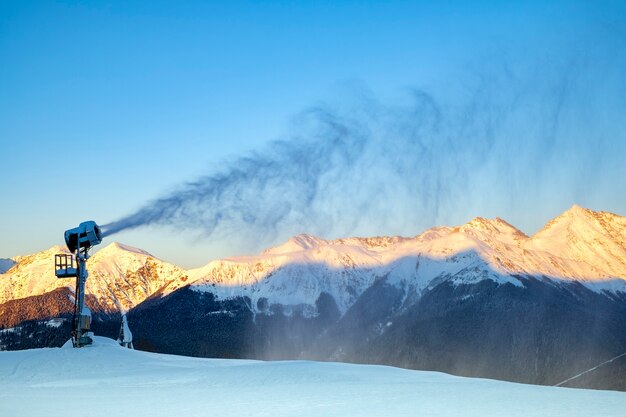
(481, 299)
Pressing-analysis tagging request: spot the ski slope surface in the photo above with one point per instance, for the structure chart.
(108, 380)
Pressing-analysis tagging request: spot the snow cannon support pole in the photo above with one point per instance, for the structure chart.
(82, 319)
(79, 240)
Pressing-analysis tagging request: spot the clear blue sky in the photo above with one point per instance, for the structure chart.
(105, 106)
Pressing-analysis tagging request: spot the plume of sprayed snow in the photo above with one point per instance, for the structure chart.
(374, 168)
(334, 172)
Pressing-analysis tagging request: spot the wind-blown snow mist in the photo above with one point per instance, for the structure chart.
(503, 137)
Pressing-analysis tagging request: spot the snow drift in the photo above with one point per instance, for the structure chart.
(105, 380)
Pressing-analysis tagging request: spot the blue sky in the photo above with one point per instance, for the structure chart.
(104, 107)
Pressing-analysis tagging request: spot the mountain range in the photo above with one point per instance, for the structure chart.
(481, 299)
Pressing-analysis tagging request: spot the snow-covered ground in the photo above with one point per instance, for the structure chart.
(107, 380)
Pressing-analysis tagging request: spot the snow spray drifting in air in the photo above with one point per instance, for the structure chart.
(371, 168)
(338, 172)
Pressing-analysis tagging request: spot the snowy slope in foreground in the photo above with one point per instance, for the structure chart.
(107, 380)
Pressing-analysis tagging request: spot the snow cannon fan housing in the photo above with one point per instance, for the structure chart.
(86, 235)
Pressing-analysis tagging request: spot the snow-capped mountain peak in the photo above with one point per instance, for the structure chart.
(594, 240)
(490, 229)
(496, 225)
(584, 223)
(31, 275)
(120, 276)
(297, 243)
(117, 249)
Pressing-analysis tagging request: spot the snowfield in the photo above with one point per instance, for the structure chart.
(107, 380)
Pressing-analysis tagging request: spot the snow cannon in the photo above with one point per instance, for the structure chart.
(86, 235)
(79, 240)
